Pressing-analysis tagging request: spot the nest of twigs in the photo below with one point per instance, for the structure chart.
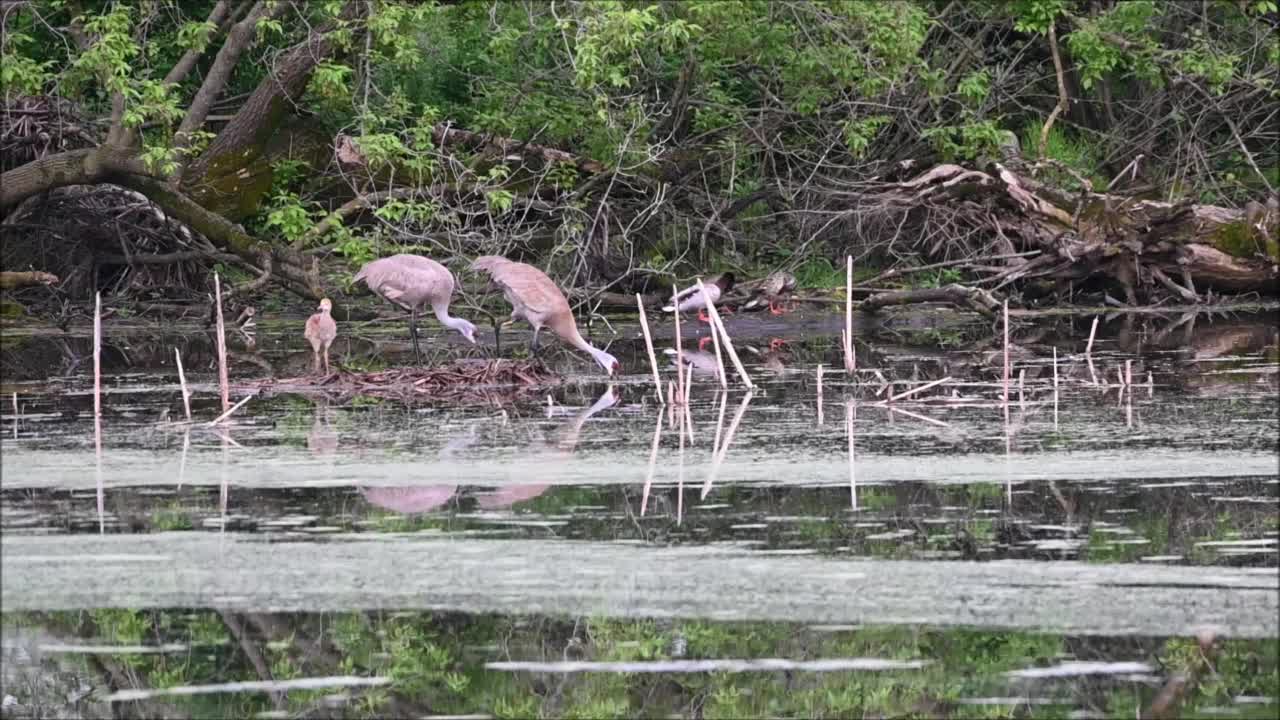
(463, 380)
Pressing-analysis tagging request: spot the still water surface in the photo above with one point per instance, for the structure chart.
(584, 551)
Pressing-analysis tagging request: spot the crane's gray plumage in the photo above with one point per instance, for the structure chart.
(414, 282)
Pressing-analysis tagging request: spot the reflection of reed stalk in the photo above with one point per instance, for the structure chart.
(1005, 374)
(653, 459)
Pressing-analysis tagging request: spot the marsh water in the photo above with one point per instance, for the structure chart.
(1106, 538)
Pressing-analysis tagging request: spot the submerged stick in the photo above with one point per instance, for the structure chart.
(728, 345)
(679, 349)
(917, 389)
(223, 385)
(182, 382)
(715, 338)
(1088, 350)
(232, 409)
(648, 344)
(850, 360)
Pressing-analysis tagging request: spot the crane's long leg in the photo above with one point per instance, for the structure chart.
(413, 333)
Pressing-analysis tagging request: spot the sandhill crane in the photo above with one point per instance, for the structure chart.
(321, 330)
(691, 299)
(412, 282)
(535, 299)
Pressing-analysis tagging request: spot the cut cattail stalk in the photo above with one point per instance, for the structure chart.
(223, 385)
(231, 410)
(688, 418)
(182, 382)
(850, 360)
(679, 349)
(1005, 374)
(1088, 351)
(1128, 373)
(918, 389)
(653, 459)
(97, 356)
(648, 344)
(715, 337)
(728, 345)
(818, 374)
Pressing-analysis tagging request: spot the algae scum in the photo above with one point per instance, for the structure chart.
(584, 551)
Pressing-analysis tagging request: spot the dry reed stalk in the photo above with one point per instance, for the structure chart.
(1005, 372)
(818, 374)
(671, 404)
(850, 360)
(231, 410)
(653, 459)
(688, 419)
(15, 416)
(917, 416)
(1088, 350)
(917, 389)
(1022, 382)
(223, 385)
(1128, 373)
(97, 356)
(675, 302)
(715, 337)
(648, 344)
(182, 383)
(1151, 385)
(728, 345)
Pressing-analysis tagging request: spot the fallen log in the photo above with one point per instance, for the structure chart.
(976, 299)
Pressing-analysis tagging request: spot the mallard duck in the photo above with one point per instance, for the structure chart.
(691, 299)
(774, 287)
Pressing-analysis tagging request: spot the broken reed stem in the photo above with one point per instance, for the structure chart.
(1055, 388)
(648, 344)
(1088, 350)
(728, 345)
(223, 386)
(675, 313)
(1005, 374)
(182, 382)
(1128, 373)
(231, 410)
(715, 337)
(917, 389)
(850, 360)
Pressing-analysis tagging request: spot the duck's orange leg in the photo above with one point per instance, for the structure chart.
(702, 343)
(702, 316)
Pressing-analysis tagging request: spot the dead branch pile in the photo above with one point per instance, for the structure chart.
(34, 126)
(1050, 241)
(109, 238)
(463, 380)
